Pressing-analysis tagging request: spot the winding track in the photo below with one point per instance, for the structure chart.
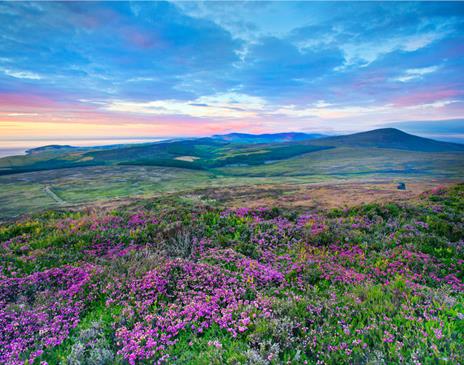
(48, 190)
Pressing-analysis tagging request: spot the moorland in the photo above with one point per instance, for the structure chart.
(57, 176)
(197, 279)
(236, 249)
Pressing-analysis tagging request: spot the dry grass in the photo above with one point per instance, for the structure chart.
(321, 196)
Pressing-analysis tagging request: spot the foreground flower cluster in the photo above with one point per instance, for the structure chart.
(171, 282)
(38, 310)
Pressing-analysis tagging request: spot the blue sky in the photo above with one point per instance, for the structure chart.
(199, 68)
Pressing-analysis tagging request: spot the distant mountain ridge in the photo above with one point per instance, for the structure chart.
(391, 138)
(267, 137)
(239, 150)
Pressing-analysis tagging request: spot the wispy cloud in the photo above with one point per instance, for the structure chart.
(22, 114)
(416, 73)
(22, 74)
(227, 105)
(370, 50)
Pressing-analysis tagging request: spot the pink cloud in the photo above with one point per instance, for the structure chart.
(36, 110)
(425, 97)
(24, 100)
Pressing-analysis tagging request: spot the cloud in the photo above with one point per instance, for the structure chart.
(22, 114)
(370, 31)
(228, 105)
(416, 73)
(22, 74)
(217, 65)
(251, 21)
(431, 96)
(367, 52)
(100, 58)
(275, 68)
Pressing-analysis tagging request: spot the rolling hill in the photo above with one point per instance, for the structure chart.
(216, 154)
(82, 175)
(390, 138)
(50, 148)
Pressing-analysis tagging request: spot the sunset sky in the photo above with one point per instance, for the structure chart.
(80, 69)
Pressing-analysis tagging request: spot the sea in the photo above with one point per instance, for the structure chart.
(19, 147)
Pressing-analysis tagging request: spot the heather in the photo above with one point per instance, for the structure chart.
(176, 281)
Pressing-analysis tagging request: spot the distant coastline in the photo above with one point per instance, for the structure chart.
(20, 147)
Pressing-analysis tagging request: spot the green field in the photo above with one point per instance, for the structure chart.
(27, 192)
(352, 161)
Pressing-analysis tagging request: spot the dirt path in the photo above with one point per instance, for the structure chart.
(48, 190)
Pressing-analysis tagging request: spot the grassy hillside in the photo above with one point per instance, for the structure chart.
(213, 153)
(179, 281)
(206, 153)
(97, 174)
(26, 193)
(351, 161)
(390, 138)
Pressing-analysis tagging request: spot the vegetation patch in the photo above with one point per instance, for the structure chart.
(185, 281)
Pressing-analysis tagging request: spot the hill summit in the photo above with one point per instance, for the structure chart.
(390, 138)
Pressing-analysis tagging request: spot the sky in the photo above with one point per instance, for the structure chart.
(166, 69)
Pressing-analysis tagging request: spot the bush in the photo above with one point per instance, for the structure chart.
(91, 348)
